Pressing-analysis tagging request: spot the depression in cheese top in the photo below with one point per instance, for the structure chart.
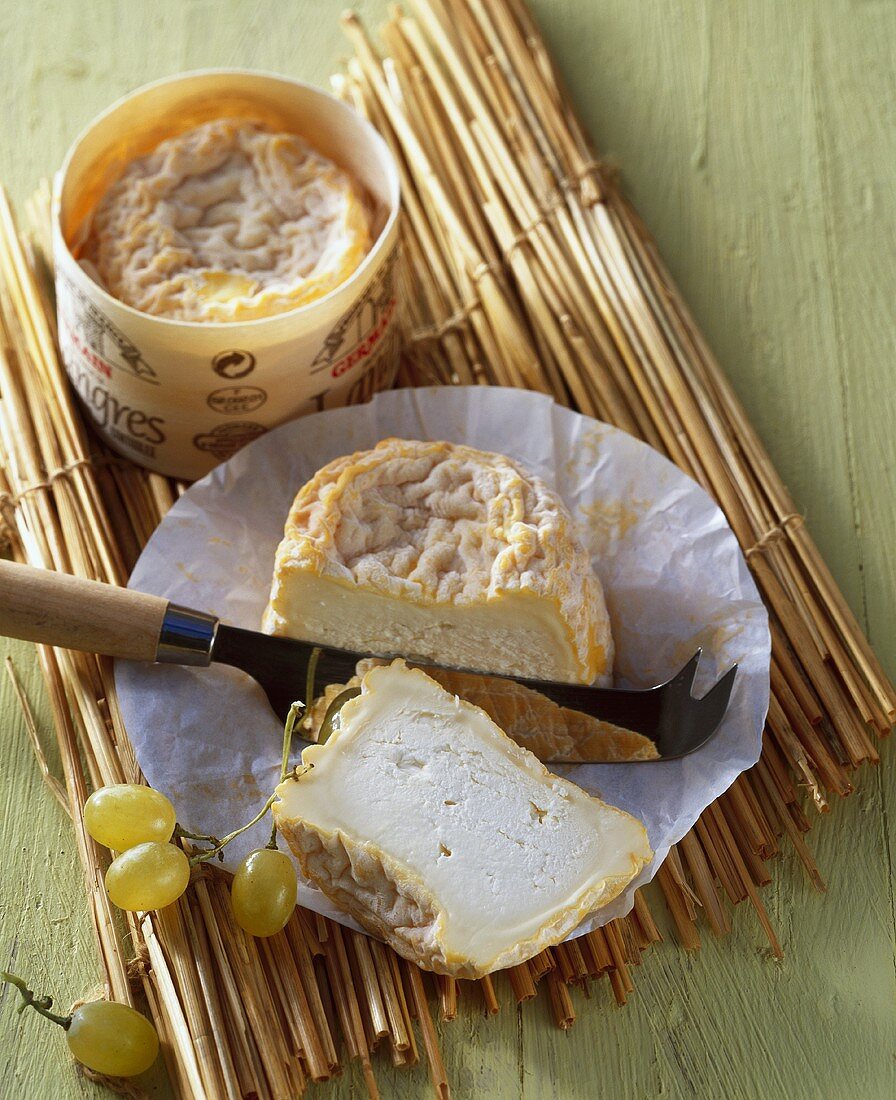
(426, 798)
(227, 222)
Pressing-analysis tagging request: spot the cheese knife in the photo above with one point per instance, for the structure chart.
(58, 609)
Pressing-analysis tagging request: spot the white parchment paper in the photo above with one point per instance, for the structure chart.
(672, 571)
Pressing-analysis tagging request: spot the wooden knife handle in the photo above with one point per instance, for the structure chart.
(39, 605)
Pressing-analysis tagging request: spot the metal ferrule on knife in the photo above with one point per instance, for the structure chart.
(186, 637)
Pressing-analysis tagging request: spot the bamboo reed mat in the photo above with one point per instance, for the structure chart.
(524, 266)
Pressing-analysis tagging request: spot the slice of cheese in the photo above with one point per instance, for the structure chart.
(438, 551)
(436, 832)
(227, 222)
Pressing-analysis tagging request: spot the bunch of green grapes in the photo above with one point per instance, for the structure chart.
(150, 872)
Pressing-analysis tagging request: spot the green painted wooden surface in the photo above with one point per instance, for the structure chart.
(758, 139)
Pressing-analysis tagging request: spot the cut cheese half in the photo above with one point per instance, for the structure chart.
(436, 832)
(440, 552)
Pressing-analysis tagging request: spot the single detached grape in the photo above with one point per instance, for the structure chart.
(148, 876)
(105, 1036)
(125, 814)
(112, 1038)
(263, 894)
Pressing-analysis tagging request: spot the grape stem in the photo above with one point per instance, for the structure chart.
(210, 853)
(310, 673)
(297, 711)
(39, 1004)
(184, 834)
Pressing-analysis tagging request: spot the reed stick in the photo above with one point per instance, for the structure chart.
(492, 1005)
(414, 979)
(56, 788)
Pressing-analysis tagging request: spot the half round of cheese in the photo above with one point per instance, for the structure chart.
(436, 832)
(227, 222)
(440, 552)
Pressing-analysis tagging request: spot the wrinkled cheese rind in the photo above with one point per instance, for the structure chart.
(435, 831)
(538, 724)
(438, 551)
(227, 222)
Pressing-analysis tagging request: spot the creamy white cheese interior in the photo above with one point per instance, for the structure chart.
(432, 782)
(515, 634)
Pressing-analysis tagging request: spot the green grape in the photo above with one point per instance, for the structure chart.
(105, 1036)
(263, 894)
(112, 1038)
(148, 876)
(125, 814)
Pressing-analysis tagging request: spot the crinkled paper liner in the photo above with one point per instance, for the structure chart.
(672, 571)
